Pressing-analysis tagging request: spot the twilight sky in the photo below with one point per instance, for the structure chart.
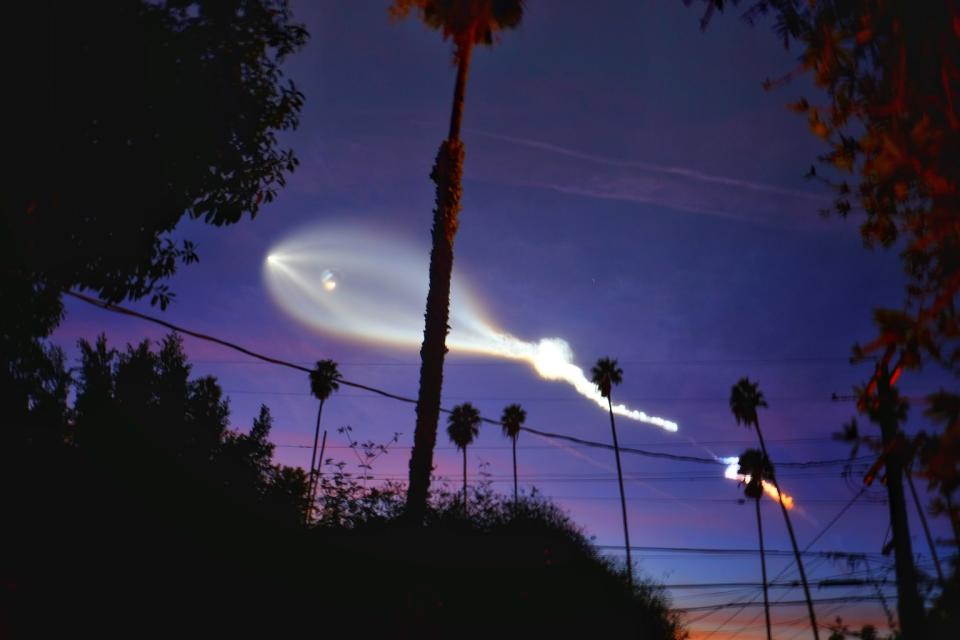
(630, 188)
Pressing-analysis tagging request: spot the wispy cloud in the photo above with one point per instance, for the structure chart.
(691, 174)
(669, 186)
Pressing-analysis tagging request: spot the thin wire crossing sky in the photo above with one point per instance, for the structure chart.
(629, 187)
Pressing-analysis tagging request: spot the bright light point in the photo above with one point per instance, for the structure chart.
(327, 279)
(731, 472)
(552, 359)
(383, 303)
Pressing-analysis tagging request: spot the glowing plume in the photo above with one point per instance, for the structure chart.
(733, 465)
(357, 285)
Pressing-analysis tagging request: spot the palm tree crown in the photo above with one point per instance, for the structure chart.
(606, 374)
(745, 399)
(466, 22)
(323, 379)
(463, 425)
(512, 420)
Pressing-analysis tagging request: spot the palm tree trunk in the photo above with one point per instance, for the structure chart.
(313, 464)
(793, 537)
(623, 498)
(909, 605)
(447, 174)
(459, 90)
(515, 493)
(763, 570)
(464, 481)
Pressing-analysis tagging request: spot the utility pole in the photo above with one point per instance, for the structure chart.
(909, 605)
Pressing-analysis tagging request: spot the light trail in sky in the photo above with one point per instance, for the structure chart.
(732, 472)
(359, 285)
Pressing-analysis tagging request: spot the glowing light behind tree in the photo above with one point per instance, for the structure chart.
(357, 285)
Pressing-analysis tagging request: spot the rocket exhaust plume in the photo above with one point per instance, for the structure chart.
(358, 285)
(733, 466)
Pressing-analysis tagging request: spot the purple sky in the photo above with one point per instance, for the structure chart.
(629, 187)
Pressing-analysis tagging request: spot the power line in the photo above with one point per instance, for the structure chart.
(531, 447)
(577, 479)
(748, 552)
(822, 532)
(791, 360)
(783, 603)
(684, 399)
(727, 501)
(820, 584)
(107, 306)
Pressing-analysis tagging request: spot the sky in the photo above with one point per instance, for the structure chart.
(629, 187)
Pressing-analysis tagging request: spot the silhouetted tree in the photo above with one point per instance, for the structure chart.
(463, 426)
(157, 512)
(891, 125)
(884, 406)
(939, 455)
(96, 394)
(755, 465)
(137, 411)
(745, 399)
(512, 420)
(49, 415)
(467, 23)
(245, 460)
(606, 374)
(286, 495)
(323, 382)
(131, 116)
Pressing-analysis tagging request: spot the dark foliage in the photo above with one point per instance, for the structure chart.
(514, 568)
(889, 116)
(129, 116)
(147, 511)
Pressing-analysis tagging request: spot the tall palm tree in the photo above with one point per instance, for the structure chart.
(463, 425)
(755, 465)
(745, 399)
(606, 374)
(467, 23)
(323, 382)
(512, 419)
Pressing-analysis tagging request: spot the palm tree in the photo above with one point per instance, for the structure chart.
(755, 465)
(512, 420)
(467, 23)
(463, 426)
(323, 382)
(745, 399)
(605, 374)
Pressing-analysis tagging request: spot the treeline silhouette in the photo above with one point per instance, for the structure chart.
(133, 505)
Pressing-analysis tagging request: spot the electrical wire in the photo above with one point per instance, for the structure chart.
(107, 306)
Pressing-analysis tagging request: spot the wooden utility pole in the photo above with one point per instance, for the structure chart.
(909, 604)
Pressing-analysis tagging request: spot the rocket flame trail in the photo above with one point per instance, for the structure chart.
(733, 465)
(357, 285)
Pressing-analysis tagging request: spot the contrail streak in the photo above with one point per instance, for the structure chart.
(732, 472)
(683, 172)
(360, 286)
